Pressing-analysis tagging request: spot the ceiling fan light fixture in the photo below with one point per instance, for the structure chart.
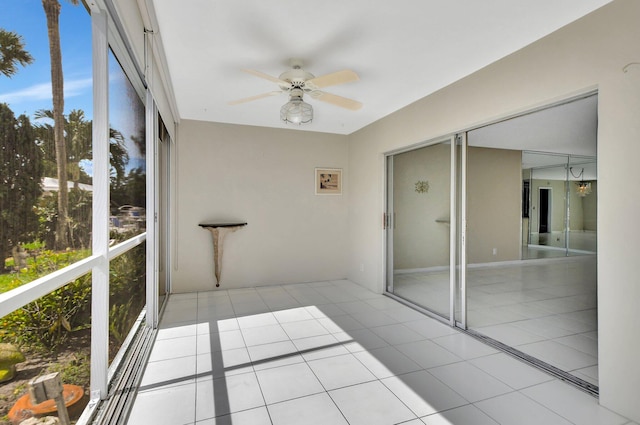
(296, 111)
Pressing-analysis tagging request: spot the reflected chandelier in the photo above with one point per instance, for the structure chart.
(583, 188)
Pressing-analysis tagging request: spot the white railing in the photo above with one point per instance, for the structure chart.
(16, 298)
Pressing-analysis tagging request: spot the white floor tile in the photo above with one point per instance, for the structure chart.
(325, 310)
(428, 354)
(179, 315)
(217, 325)
(359, 306)
(387, 361)
(258, 416)
(576, 406)
(384, 303)
(334, 295)
(177, 330)
(292, 315)
(404, 314)
(308, 296)
(173, 348)
(167, 373)
(430, 328)
(228, 340)
(544, 326)
(370, 403)
(215, 312)
(559, 355)
(276, 354)
(183, 296)
(215, 397)
(207, 303)
(314, 363)
(517, 409)
(249, 296)
(423, 393)
(511, 371)
(251, 308)
(316, 409)
(304, 329)
(469, 381)
(397, 334)
(319, 347)
(159, 406)
(509, 334)
(360, 339)
(181, 304)
(264, 335)
(340, 371)
(580, 342)
(288, 382)
(465, 415)
(589, 374)
(374, 318)
(218, 364)
(342, 323)
(464, 346)
(257, 320)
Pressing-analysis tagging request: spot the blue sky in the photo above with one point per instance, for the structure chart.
(30, 88)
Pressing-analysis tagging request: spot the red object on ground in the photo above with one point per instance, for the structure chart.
(23, 409)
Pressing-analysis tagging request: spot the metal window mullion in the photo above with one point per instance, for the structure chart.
(390, 210)
(452, 235)
(152, 251)
(463, 233)
(100, 223)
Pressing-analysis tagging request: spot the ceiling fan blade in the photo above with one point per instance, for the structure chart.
(256, 97)
(333, 79)
(266, 76)
(343, 102)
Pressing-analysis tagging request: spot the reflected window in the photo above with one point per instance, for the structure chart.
(127, 155)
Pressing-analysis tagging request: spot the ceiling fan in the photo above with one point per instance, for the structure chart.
(296, 82)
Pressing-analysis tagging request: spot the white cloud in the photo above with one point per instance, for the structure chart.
(43, 91)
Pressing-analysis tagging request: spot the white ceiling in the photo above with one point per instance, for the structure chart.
(569, 128)
(403, 50)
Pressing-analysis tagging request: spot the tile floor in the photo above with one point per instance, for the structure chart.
(335, 353)
(544, 308)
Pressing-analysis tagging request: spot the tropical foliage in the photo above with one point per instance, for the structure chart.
(21, 170)
(12, 53)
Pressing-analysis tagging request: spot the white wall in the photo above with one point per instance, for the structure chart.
(590, 53)
(420, 237)
(494, 204)
(264, 177)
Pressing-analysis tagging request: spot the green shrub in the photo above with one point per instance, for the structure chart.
(126, 291)
(75, 370)
(44, 323)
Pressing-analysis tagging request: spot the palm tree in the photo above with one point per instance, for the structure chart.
(52, 12)
(12, 53)
(78, 141)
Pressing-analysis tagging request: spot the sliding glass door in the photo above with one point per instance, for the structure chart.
(495, 231)
(421, 226)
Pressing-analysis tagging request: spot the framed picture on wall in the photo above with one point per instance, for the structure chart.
(328, 181)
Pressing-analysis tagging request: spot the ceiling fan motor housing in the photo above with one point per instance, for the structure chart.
(296, 77)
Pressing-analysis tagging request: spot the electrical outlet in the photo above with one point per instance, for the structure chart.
(361, 267)
(495, 251)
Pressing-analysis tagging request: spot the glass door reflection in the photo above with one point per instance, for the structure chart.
(420, 205)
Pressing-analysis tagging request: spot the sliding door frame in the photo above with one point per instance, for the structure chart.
(389, 225)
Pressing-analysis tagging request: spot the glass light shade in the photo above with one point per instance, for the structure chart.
(296, 111)
(583, 188)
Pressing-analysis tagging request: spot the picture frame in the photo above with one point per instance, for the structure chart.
(328, 181)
